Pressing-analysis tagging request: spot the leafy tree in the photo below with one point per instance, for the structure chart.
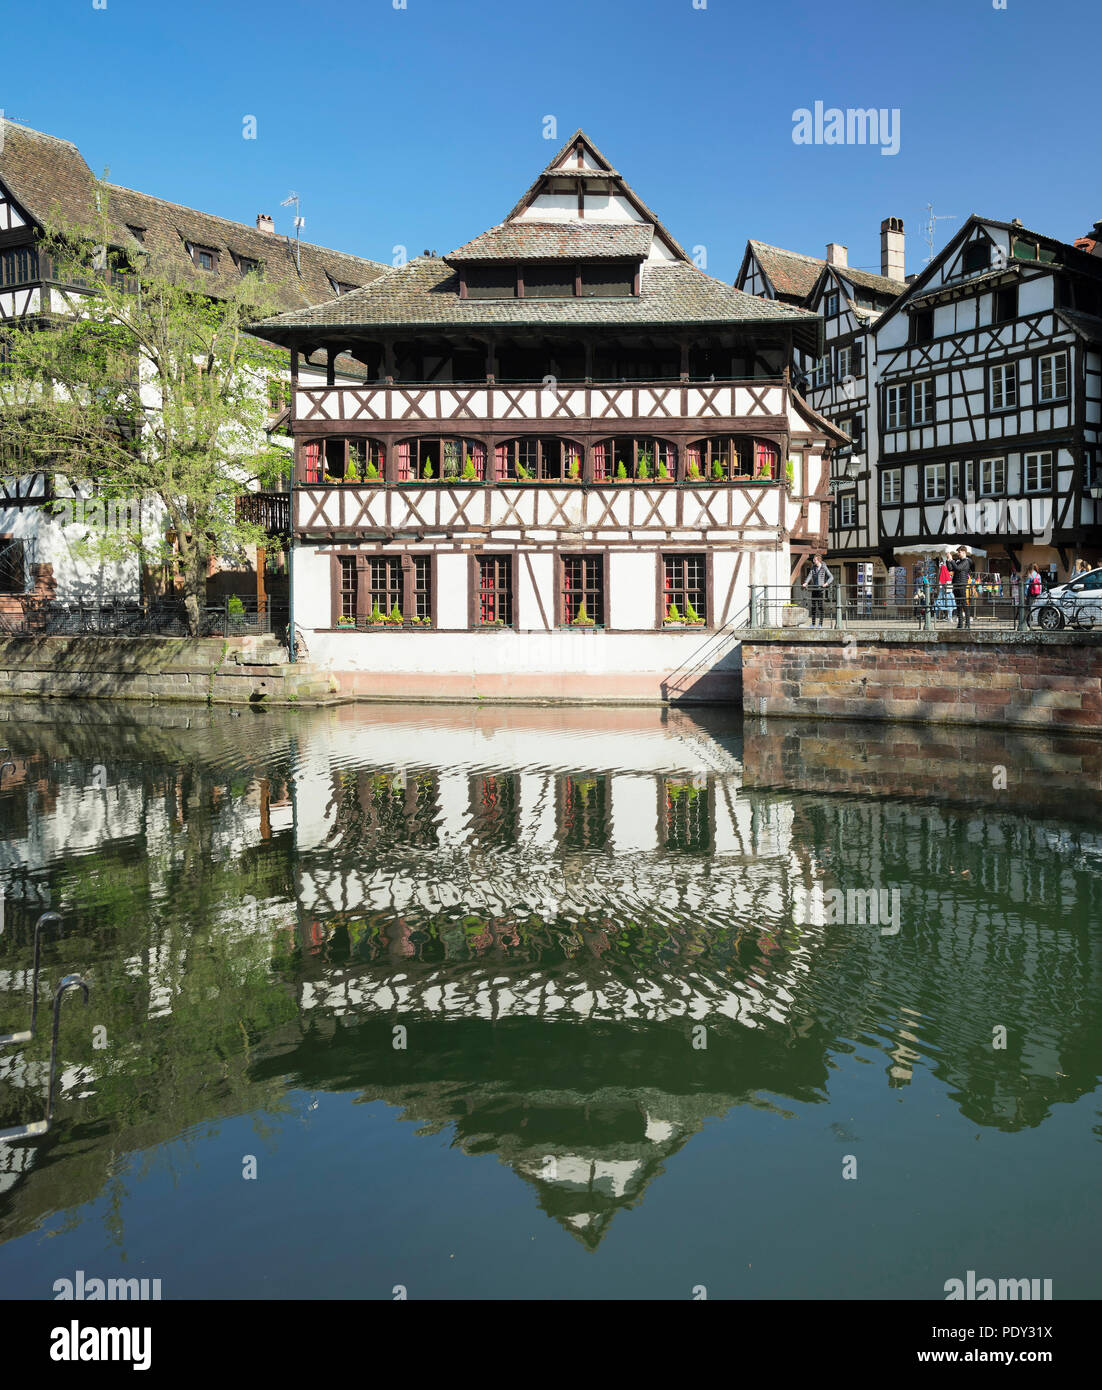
(150, 387)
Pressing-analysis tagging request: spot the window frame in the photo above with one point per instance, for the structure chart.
(930, 472)
(417, 571)
(562, 557)
(1058, 358)
(982, 490)
(896, 475)
(666, 595)
(1040, 486)
(1008, 372)
(847, 507)
(902, 412)
(929, 398)
(475, 591)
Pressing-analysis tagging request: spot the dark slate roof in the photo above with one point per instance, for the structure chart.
(521, 241)
(789, 272)
(50, 180)
(424, 293)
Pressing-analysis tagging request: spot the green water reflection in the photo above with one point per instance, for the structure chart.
(570, 941)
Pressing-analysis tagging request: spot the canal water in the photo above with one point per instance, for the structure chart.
(548, 1003)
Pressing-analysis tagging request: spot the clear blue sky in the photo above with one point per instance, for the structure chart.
(422, 126)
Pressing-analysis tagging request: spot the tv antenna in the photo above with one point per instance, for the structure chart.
(300, 222)
(929, 227)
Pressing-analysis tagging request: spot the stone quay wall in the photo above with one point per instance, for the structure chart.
(234, 670)
(1032, 680)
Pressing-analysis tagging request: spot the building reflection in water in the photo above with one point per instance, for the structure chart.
(584, 920)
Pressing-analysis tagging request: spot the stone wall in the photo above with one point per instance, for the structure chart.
(237, 670)
(1041, 681)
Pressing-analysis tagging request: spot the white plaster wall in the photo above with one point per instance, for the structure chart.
(510, 653)
(313, 604)
(540, 569)
(631, 588)
(451, 593)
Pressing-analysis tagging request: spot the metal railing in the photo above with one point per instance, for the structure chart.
(157, 618)
(992, 607)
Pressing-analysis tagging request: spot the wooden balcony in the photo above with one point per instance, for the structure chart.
(272, 510)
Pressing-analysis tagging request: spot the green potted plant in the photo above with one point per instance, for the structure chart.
(694, 472)
(427, 472)
(346, 620)
(395, 614)
(371, 473)
(663, 471)
(717, 470)
(376, 615)
(790, 474)
(352, 472)
(574, 468)
(673, 616)
(582, 618)
(469, 474)
(523, 476)
(643, 470)
(621, 471)
(692, 616)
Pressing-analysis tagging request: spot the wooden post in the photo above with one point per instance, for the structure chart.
(261, 594)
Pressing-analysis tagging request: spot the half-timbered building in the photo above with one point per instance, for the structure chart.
(838, 382)
(575, 455)
(989, 402)
(45, 182)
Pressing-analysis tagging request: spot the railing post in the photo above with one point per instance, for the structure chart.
(753, 605)
(837, 606)
(1023, 607)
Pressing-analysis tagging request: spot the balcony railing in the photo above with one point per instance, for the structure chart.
(272, 510)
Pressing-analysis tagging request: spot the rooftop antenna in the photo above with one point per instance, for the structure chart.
(929, 227)
(300, 222)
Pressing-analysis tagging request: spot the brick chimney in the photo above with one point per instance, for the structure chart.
(837, 253)
(264, 223)
(891, 249)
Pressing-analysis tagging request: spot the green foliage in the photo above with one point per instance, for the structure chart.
(694, 470)
(235, 607)
(352, 472)
(427, 472)
(643, 470)
(582, 618)
(188, 435)
(522, 472)
(449, 467)
(621, 470)
(790, 472)
(395, 613)
(376, 615)
(371, 472)
(717, 470)
(663, 471)
(672, 613)
(469, 473)
(691, 615)
(575, 467)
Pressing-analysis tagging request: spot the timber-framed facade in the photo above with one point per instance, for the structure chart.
(570, 432)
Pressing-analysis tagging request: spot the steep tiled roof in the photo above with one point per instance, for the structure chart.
(50, 180)
(424, 293)
(878, 284)
(513, 241)
(789, 272)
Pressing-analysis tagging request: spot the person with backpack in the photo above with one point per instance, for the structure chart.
(1033, 585)
(818, 580)
(961, 570)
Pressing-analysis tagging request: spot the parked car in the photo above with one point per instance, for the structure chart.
(1077, 602)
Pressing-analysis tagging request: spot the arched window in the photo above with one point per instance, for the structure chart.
(339, 460)
(641, 460)
(532, 458)
(766, 458)
(440, 458)
(718, 459)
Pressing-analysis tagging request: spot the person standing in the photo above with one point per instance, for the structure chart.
(1015, 585)
(945, 602)
(818, 581)
(961, 569)
(1033, 585)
